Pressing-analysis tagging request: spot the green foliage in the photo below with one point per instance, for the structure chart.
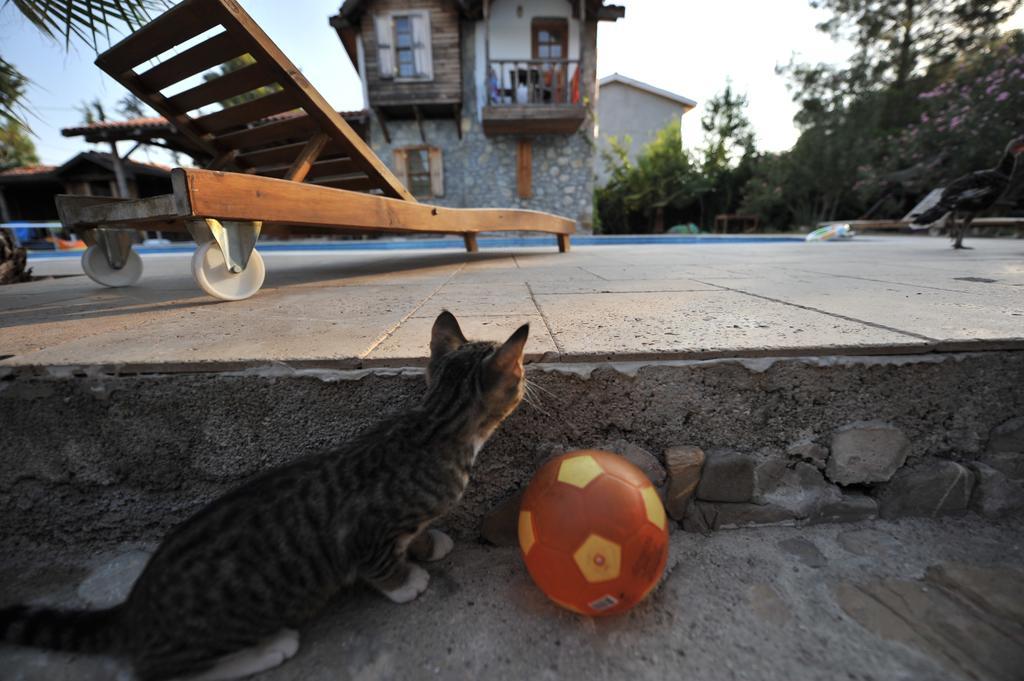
(12, 88)
(667, 185)
(16, 147)
(663, 183)
(964, 120)
(931, 92)
(234, 65)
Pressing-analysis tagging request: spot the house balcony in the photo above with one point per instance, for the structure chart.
(533, 97)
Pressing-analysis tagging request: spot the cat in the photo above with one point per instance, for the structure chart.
(224, 592)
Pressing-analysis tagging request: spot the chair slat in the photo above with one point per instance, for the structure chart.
(289, 76)
(229, 85)
(170, 29)
(354, 182)
(248, 112)
(334, 166)
(284, 153)
(291, 129)
(202, 57)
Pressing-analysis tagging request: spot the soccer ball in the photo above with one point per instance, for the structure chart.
(593, 532)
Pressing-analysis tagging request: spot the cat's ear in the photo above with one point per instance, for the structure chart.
(446, 335)
(508, 360)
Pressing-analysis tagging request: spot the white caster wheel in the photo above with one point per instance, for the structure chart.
(210, 270)
(94, 262)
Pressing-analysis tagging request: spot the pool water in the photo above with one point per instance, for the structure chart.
(456, 243)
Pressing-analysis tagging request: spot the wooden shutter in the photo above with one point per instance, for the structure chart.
(401, 167)
(436, 172)
(385, 53)
(422, 56)
(524, 169)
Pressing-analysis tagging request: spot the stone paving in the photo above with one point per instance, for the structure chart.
(877, 295)
(911, 599)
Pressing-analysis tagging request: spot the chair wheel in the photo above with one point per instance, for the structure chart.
(96, 267)
(210, 270)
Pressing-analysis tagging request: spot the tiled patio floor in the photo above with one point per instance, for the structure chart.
(879, 295)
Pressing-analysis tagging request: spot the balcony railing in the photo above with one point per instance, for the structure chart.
(533, 82)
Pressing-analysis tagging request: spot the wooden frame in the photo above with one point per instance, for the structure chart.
(295, 159)
(201, 194)
(550, 25)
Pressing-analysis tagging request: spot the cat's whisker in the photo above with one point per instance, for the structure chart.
(530, 401)
(538, 386)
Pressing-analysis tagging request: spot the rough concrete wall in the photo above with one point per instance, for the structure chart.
(97, 459)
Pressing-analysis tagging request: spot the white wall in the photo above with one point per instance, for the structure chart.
(624, 110)
(511, 37)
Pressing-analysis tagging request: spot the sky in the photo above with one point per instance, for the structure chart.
(689, 47)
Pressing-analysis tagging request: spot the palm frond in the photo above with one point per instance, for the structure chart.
(85, 20)
(12, 87)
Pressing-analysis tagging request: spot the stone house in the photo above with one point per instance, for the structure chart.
(479, 103)
(630, 107)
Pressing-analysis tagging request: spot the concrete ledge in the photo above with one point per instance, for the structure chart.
(92, 458)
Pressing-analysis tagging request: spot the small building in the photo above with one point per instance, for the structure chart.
(630, 107)
(27, 193)
(480, 103)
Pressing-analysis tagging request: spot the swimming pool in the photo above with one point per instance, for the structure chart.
(457, 244)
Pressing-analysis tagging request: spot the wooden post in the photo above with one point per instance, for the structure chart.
(122, 183)
(307, 157)
(5, 213)
(471, 244)
(524, 168)
(487, 48)
(563, 243)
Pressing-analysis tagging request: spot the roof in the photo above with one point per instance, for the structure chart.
(159, 123)
(43, 173)
(472, 9)
(155, 122)
(648, 88)
(27, 170)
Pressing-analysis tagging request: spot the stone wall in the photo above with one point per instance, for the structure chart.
(480, 171)
(94, 458)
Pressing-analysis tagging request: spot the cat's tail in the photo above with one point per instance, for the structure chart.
(85, 631)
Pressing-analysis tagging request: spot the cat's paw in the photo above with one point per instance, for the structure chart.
(415, 584)
(442, 545)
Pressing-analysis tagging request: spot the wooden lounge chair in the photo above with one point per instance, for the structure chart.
(284, 161)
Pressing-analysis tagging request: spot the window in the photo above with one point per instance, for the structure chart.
(404, 57)
(403, 45)
(421, 170)
(100, 188)
(417, 169)
(550, 38)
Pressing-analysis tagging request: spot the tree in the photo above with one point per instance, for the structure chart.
(131, 106)
(728, 152)
(663, 185)
(898, 39)
(862, 149)
(16, 147)
(728, 135)
(92, 112)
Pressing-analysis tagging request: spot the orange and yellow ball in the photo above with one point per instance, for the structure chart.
(593, 532)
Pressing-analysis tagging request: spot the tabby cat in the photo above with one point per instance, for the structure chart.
(224, 592)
